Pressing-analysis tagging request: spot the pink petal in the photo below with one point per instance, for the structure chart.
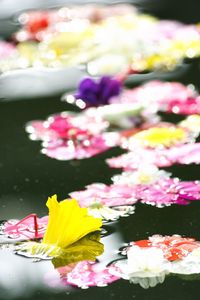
(112, 195)
(89, 273)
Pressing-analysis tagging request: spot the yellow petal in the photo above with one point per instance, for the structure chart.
(163, 136)
(68, 223)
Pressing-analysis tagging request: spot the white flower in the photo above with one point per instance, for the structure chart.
(145, 174)
(107, 213)
(187, 265)
(146, 266)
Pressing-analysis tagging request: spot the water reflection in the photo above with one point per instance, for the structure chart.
(21, 277)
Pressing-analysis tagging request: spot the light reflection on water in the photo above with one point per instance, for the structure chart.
(21, 277)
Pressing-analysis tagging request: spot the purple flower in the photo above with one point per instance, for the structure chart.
(95, 93)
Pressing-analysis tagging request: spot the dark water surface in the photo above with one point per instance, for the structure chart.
(28, 178)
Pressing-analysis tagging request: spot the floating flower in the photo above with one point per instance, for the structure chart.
(79, 149)
(159, 96)
(6, 49)
(173, 247)
(145, 174)
(148, 261)
(67, 137)
(66, 126)
(185, 107)
(88, 273)
(183, 154)
(101, 194)
(122, 115)
(110, 213)
(189, 265)
(132, 160)
(67, 224)
(95, 93)
(30, 227)
(158, 137)
(169, 191)
(192, 123)
(146, 266)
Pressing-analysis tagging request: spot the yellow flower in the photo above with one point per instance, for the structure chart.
(163, 136)
(67, 224)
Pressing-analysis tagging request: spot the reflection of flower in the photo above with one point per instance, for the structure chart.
(67, 224)
(87, 274)
(95, 93)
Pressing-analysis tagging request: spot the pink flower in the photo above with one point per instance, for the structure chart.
(30, 227)
(86, 147)
(169, 191)
(182, 154)
(65, 126)
(172, 97)
(112, 195)
(6, 49)
(187, 106)
(68, 136)
(157, 93)
(88, 273)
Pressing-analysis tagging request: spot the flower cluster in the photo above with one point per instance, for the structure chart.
(72, 36)
(149, 261)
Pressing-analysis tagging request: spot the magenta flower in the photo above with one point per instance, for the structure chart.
(30, 227)
(169, 191)
(68, 136)
(187, 106)
(65, 126)
(88, 273)
(112, 195)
